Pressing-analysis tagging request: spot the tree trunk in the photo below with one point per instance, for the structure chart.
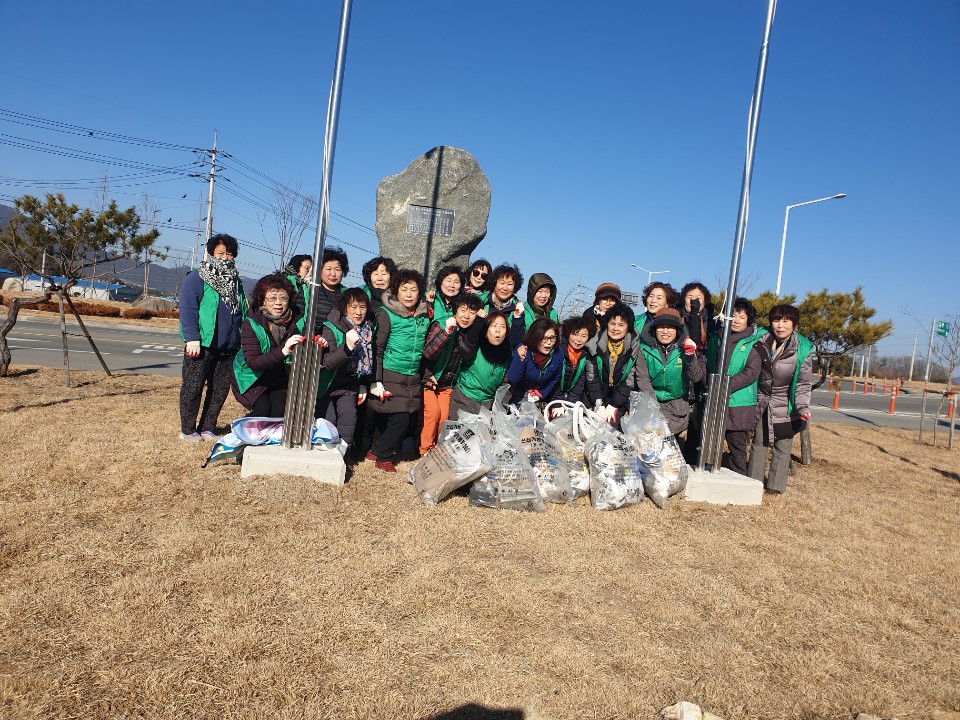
(63, 336)
(806, 452)
(86, 332)
(15, 305)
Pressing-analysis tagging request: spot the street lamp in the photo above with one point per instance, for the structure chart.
(650, 273)
(786, 219)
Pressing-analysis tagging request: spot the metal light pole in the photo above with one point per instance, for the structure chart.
(913, 355)
(786, 219)
(305, 376)
(650, 273)
(716, 409)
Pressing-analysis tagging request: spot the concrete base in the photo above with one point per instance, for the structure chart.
(324, 466)
(723, 487)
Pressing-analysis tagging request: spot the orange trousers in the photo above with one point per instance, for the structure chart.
(436, 408)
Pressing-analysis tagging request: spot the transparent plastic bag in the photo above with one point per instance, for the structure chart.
(644, 416)
(664, 469)
(511, 483)
(563, 432)
(456, 460)
(615, 471)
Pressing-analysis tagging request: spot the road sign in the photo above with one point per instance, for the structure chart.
(942, 328)
(629, 298)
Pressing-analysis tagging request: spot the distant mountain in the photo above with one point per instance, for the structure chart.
(6, 212)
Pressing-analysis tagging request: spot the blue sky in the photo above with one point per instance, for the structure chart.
(611, 134)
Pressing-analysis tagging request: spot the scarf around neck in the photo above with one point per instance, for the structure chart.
(361, 359)
(223, 277)
(278, 325)
(614, 349)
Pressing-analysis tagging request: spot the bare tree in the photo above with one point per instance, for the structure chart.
(293, 212)
(945, 350)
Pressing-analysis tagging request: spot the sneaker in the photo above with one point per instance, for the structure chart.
(371, 457)
(208, 435)
(192, 437)
(386, 466)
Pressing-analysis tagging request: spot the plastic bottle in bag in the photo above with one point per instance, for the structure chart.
(615, 474)
(510, 484)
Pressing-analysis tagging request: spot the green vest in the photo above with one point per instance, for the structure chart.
(668, 380)
(744, 397)
(246, 376)
(440, 312)
(328, 374)
(439, 363)
(804, 348)
(405, 343)
(207, 320)
(304, 289)
(577, 371)
(640, 321)
(529, 316)
(626, 368)
(479, 380)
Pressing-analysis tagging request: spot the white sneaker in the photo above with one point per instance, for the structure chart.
(192, 437)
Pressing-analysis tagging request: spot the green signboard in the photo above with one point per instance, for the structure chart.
(942, 328)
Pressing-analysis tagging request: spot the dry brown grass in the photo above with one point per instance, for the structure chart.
(135, 584)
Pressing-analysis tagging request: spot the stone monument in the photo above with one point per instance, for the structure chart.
(434, 213)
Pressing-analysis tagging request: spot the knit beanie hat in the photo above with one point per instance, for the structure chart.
(607, 290)
(668, 317)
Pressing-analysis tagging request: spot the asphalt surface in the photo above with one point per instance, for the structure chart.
(37, 341)
(159, 351)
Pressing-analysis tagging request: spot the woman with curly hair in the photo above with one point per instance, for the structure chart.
(268, 336)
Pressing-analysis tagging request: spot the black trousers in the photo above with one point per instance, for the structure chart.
(213, 370)
(341, 410)
(736, 458)
(271, 403)
(389, 429)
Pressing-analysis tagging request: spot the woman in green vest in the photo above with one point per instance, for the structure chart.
(477, 279)
(297, 272)
(268, 336)
(541, 294)
(376, 278)
(446, 286)
(612, 365)
(668, 366)
(348, 364)
(483, 370)
(575, 333)
(656, 296)
(402, 324)
(211, 308)
(783, 396)
(743, 367)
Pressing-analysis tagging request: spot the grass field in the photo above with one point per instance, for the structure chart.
(133, 583)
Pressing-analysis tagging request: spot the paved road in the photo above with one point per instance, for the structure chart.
(872, 409)
(36, 341)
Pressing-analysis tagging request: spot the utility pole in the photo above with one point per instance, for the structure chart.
(853, 364)
(913, 355)
(213, 175)
(926, 375)
(869, 354)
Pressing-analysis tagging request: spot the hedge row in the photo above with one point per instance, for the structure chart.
(92, 309)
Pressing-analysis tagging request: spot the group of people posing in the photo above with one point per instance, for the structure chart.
(400, 357)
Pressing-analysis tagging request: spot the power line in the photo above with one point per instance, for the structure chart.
(57, 126)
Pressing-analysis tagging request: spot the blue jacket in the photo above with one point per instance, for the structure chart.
(227, 334)
(524, 375)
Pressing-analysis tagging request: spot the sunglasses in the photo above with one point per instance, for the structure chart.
(480, 274)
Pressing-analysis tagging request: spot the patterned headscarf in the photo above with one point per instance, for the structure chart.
(222, 276)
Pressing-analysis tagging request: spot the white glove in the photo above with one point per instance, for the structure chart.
(450, 324)
(377, 390)
(533, 396)
(557, 412)
(193, 349)
(352, 338)
(689, 347)
(291, 343)
(518, 309)
(361, 398)
(608, 413)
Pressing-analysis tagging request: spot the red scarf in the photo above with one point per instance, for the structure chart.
(540, 359)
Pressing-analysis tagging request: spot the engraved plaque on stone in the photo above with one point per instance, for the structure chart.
(424, 220)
